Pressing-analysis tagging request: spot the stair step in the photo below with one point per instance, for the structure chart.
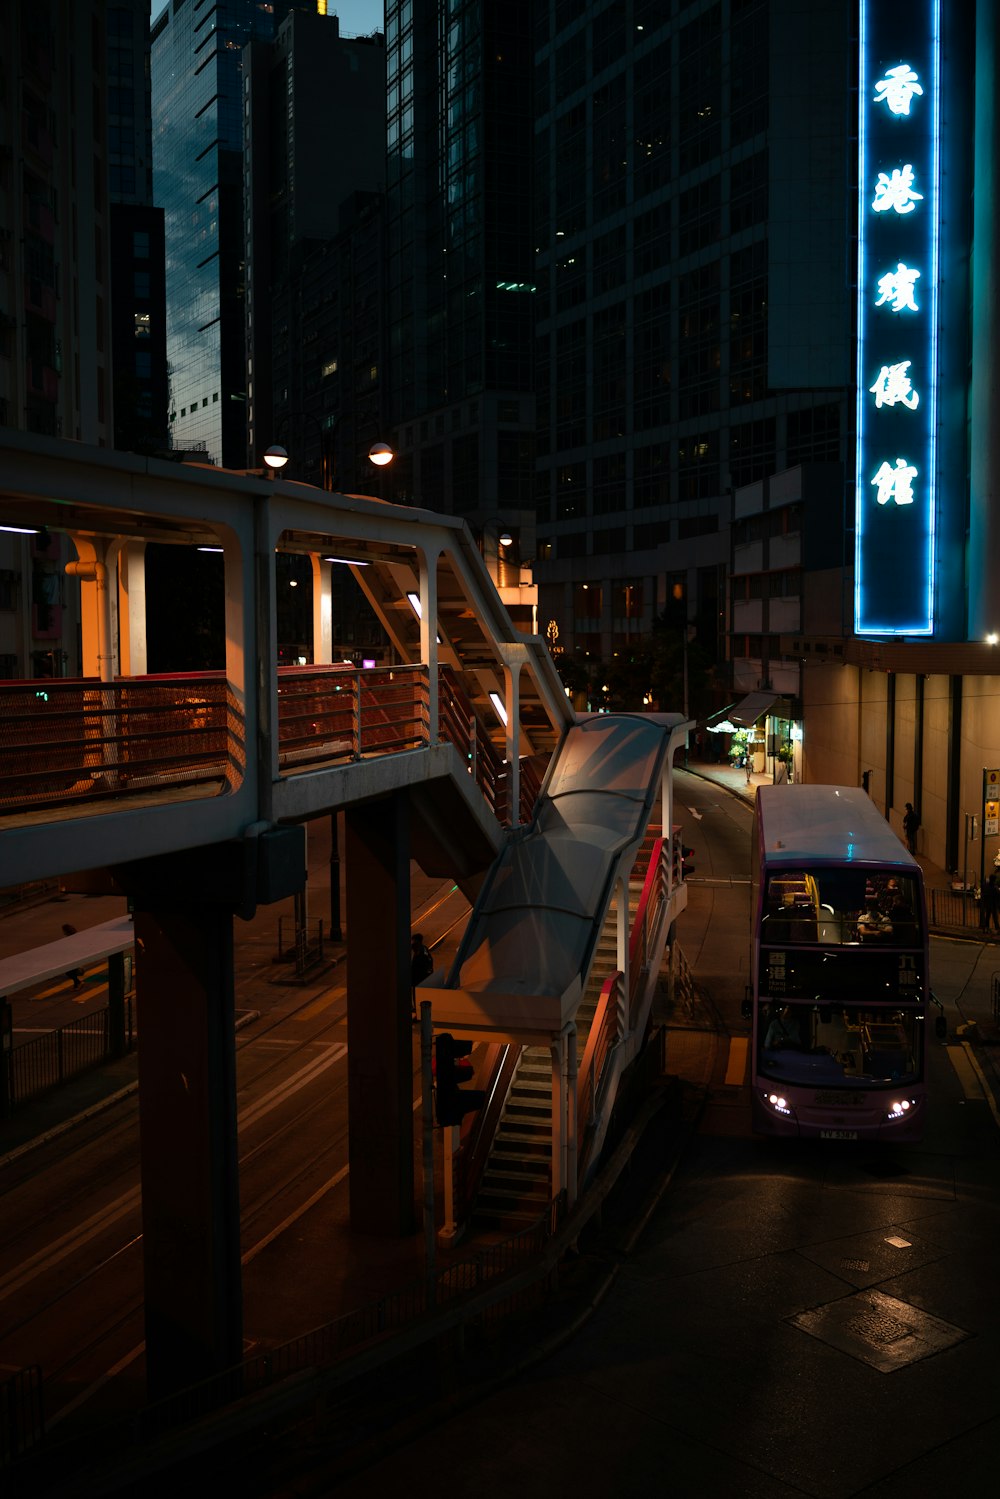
(524, 1142)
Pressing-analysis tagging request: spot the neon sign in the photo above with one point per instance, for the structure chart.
(898, 218)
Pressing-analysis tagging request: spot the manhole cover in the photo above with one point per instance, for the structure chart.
(863, 1265)
(873, 1327)
(879, 1330)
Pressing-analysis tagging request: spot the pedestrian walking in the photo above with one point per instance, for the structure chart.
(421, 966)
(74, 973)
(910, 824)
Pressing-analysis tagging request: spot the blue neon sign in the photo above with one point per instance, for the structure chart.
(898, 219)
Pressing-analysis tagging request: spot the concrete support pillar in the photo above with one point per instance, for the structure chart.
(428, 636)
(380, 1055)
(132, 609)
(322, 576)
(187, 1142)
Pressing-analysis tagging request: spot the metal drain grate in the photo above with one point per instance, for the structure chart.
(878, 1330)
(862, 1265)
(876, 1327)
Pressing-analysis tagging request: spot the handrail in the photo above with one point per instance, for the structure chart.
(605, 1030)
(651, 903)
(65, 741)
(474, 1150)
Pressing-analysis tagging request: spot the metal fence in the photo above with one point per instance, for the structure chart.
(955, 908)
(46, 1061)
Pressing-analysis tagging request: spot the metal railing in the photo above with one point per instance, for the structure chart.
(952, 908)
(498, 1279)
(330, 714)
(69, 741)
(46, 1061)
(66, 742)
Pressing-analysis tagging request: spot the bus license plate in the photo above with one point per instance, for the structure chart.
(838, 1134)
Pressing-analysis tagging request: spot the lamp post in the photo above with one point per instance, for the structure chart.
(290, 421)
(504, 539)
(275, 459)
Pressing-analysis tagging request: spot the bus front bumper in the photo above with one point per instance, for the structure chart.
(890, 1115)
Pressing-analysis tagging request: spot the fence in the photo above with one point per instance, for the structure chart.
(49, 1060)
(952, 908)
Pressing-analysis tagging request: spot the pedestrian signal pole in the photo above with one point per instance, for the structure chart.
(427, 1114)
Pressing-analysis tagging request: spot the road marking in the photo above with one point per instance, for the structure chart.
(70, 1242)
(300, 1080)
(987, 1092)
(695, 813)
(140, 1348)
(736, 1069)
(323, 1002)
(303, 1207)
(960, 1058)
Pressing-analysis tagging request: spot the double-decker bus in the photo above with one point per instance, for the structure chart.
(840, 970)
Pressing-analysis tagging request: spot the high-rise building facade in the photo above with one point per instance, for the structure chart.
(460, 257)
(197, 89)
(61, 85)
(314, 172)
(138, 289)
(693, 314)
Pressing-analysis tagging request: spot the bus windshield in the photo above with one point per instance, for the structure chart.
(836, 1047)
(841, 905)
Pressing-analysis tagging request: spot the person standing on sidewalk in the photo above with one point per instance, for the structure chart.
(989, 905)
(910, 824)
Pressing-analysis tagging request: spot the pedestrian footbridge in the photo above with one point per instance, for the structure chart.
(190, 791)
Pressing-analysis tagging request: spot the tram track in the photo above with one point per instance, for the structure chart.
(76, 1213)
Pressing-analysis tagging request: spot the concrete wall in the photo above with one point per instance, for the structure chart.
(845, 732)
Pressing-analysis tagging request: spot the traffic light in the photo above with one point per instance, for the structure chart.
(451, 1069)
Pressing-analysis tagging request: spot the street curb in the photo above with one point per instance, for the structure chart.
(246, 1017)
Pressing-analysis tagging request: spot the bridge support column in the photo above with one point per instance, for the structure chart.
(187, 1142)
(380, 1056)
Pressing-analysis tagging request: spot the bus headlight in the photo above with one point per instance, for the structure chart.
(778, 1103)
(899, 1107)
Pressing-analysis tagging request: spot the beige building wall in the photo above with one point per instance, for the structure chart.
(845, 732)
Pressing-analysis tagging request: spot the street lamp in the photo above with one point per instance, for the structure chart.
(504, 539)
(380, 454)
(275, 458)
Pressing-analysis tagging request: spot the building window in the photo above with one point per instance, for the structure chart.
(141, 324)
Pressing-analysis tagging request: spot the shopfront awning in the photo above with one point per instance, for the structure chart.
(752, 708)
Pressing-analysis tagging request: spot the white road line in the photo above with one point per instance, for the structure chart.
(987, 1090)
(960, 1058)
(82, 1233)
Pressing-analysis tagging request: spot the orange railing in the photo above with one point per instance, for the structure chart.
(605, 1030)
(337, 713)
(651, 903)
(65, 741)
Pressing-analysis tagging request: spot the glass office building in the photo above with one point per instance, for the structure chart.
(198, 180)
(460, 259)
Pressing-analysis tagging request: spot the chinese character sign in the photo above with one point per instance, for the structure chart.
(898, 212)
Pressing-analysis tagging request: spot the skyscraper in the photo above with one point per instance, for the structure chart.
(314, 305)
(197, 82)
(138, 293)
(460, 260)
(693, 318)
